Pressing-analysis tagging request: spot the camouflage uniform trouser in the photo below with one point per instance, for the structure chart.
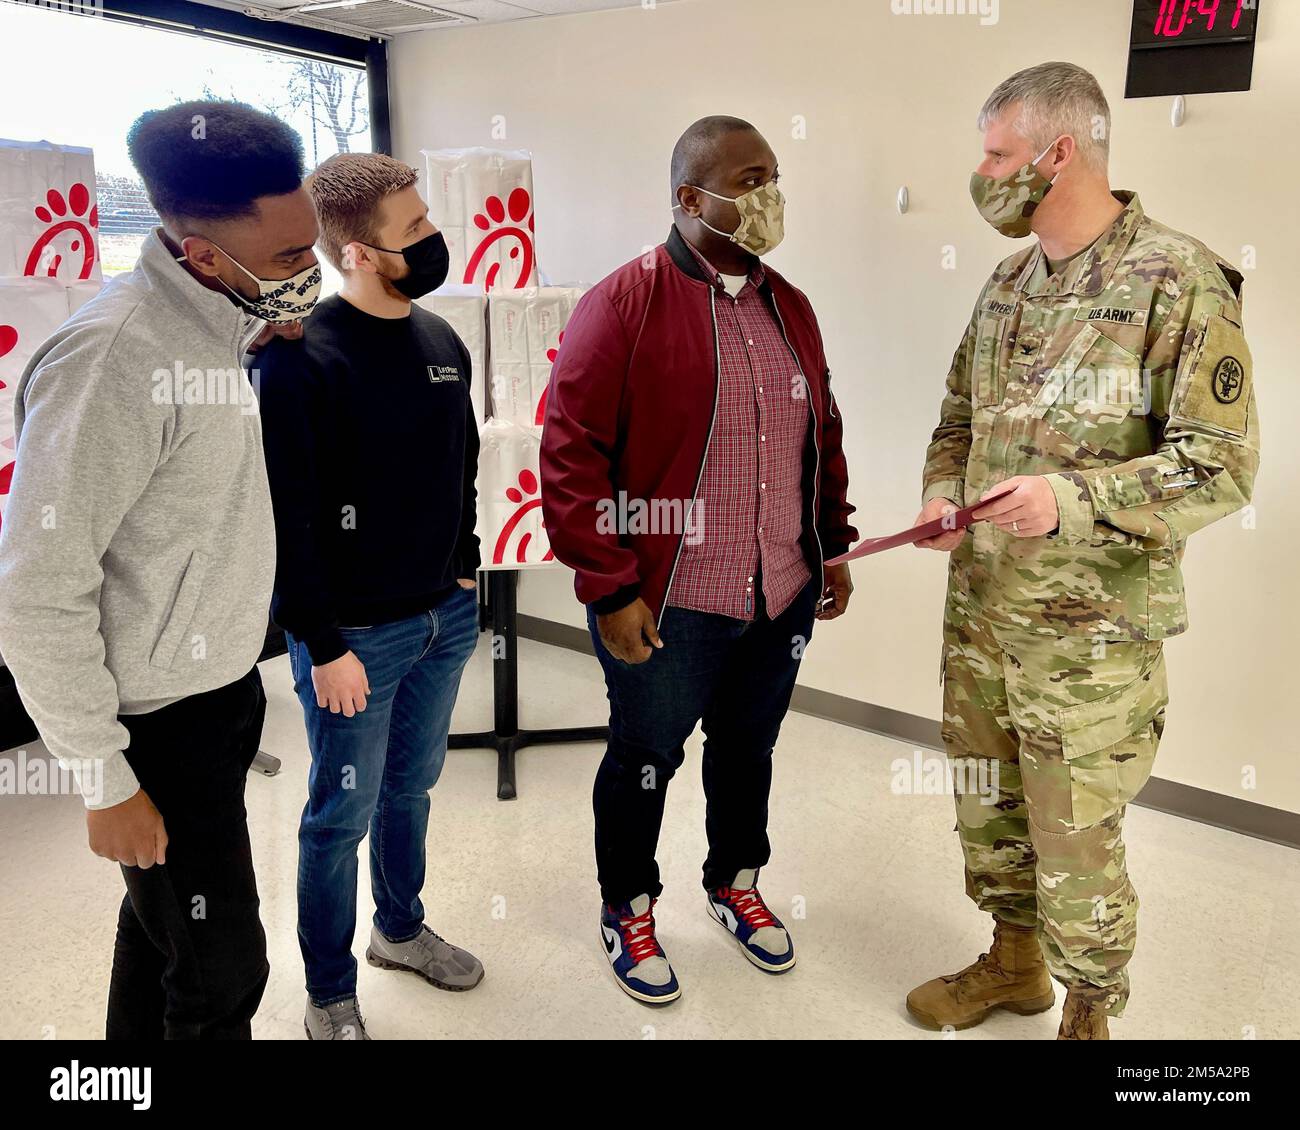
(1071, 725)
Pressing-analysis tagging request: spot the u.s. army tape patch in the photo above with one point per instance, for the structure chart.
(1119, 315)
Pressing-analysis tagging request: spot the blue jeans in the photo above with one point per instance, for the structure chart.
(374, 771)
(736, 678)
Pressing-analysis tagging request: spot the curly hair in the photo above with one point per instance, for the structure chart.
(207, 160)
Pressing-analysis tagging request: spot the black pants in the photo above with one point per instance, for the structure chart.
(190, 960)
(736, 678)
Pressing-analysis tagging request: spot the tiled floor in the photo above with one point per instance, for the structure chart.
(869, 881)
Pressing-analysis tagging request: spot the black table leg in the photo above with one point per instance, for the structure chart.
(505, 736)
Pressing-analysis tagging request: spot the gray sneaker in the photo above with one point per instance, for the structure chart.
(438, 962)
(338, 1021)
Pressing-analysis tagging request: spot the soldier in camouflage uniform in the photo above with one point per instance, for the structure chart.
(1111, 387)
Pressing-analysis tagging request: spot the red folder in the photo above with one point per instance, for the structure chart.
(947, 524)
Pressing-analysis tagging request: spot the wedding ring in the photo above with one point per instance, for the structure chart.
(1016, 526)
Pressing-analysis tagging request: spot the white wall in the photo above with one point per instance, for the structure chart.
(890, 100)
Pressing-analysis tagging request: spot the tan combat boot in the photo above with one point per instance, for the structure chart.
(1012, 975)
(1083, 1018)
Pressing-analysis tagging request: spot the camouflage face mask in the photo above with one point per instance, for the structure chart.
(1009, 203)
(762, 218)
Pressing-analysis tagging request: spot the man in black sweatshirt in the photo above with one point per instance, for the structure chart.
(371, 448)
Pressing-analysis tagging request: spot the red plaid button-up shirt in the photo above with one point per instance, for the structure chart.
(749, 510)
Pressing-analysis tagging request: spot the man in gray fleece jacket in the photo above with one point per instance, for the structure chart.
(137, 557)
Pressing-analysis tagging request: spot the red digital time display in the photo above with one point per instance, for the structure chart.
(1198, 18)
(1191, 46)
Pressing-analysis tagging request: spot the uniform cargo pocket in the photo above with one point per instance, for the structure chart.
(182, 613)
(1094, 387)
(1215, 389)
(1109, 744)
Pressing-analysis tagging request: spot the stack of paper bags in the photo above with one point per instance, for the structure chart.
(482, 201)
(79, 293)
(30, 310)
(49, 222)
(527, 327)
(510, 530)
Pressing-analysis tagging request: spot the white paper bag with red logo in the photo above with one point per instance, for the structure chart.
(79, 293)
(482, 201)
(510, 530)
(49, 222)
(465, 310)
(30, 310)
(527, 327)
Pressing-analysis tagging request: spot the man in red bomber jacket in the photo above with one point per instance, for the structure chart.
(693, 476)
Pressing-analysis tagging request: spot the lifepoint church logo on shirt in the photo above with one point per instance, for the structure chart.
(987, 10)
(75, 1083)
(441, 374)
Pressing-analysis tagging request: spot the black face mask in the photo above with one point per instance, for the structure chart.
(429, 261)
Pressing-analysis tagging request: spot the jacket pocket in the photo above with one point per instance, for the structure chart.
(181, 615)
(1109, 744)
(1214, 390)
(1093, 389)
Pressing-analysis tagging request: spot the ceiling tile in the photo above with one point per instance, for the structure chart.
(488, 11)
(477, 11)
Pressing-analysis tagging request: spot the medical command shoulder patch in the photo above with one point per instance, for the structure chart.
(1228, 380)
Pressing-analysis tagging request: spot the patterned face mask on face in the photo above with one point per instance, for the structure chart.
(1009, 203)
(278, 300)
(762, 218)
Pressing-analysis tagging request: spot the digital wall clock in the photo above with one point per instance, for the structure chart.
(1191, 46)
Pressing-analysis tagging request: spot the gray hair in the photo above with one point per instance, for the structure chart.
(1055, 99)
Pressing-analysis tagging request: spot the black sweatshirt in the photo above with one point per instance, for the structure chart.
(371, 450)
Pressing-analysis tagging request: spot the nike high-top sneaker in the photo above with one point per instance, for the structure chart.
(628, 934)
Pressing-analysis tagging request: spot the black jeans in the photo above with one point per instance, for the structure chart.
(734, 676)
(190, 959)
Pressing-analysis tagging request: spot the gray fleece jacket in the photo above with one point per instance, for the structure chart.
(138, 549)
